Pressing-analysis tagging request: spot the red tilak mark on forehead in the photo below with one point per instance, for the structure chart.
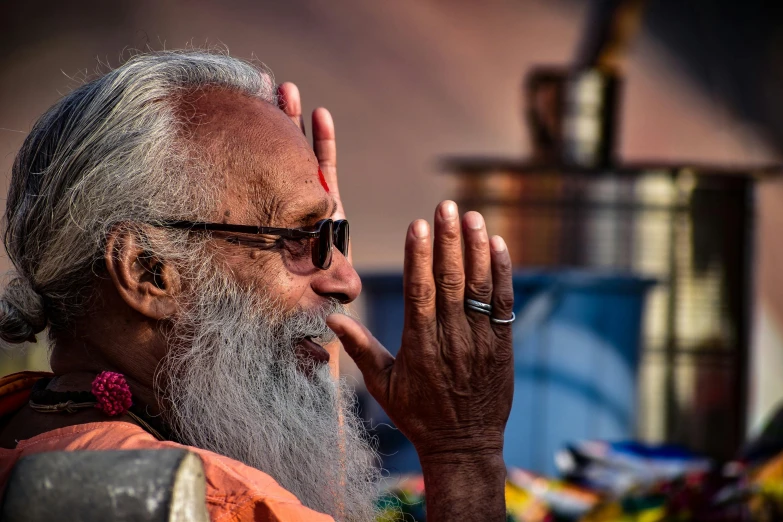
(323, 181)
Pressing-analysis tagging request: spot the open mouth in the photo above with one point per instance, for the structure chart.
(307, 348)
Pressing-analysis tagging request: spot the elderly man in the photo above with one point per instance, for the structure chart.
(187, 250)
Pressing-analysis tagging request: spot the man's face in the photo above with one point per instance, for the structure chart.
(233, 370)
(269, 177)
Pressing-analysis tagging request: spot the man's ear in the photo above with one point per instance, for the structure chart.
(143, 281)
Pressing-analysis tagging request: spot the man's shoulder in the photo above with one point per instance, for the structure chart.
(235, 492)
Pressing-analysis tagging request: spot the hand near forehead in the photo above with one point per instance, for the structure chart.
(324, 143)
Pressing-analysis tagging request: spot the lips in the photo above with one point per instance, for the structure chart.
(309, 349)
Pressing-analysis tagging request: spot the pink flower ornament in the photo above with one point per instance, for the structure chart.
(112, 392)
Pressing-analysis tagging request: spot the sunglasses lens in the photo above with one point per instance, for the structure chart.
(341, 236)
(322, 245)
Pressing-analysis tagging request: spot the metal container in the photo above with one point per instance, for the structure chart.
(689, 228)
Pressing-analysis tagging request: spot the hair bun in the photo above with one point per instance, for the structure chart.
(22, 312)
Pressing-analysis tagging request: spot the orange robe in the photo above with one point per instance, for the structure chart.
(235, 492)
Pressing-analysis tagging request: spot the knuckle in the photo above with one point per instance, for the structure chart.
(360, 357)
(479, 288)
(478, 243)
(414, 252)
(420, 292)
(450, 233)
(504, 300)
(450, 281)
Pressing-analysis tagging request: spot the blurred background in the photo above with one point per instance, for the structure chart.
(626, 150)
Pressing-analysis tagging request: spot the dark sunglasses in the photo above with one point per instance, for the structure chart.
(323, 235)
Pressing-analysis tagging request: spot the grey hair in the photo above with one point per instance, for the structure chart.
(114, 151)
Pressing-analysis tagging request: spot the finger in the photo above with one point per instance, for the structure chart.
(502, 286)
(418, 283)
(290, 102)
(372, 359)
(448, 268)
(325, 145)
(478, 265)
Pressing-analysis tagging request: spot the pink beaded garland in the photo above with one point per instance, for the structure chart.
(112, 392)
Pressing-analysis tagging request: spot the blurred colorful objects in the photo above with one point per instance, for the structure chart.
(403, 500)
(651, 484)
(618, 468)
(561, 498)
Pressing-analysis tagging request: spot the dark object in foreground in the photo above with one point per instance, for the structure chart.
(133, 485)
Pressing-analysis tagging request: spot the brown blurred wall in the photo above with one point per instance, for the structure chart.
(406, 81)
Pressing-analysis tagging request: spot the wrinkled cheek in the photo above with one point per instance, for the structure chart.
(266, 272)
(279, 284)
(288, 289)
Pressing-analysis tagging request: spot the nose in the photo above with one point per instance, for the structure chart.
(340, 281)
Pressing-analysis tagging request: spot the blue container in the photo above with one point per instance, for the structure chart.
(576, 356)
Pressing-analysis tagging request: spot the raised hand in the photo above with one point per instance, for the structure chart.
(324, 144)
(450, 387)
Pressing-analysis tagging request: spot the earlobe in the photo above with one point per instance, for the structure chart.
(144, 282)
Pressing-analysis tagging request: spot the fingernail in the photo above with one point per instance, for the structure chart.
(497, 244)
(448, 210)
(420, 229)
(474, 221)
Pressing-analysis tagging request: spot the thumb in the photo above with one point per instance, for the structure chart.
(373, 360)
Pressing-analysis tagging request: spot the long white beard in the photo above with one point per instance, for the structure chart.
(234, 386)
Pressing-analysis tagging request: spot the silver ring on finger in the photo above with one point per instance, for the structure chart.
(478, 304)
(504, 321)
(479, 310)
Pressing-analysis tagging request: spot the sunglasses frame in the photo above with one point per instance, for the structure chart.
(324, 240)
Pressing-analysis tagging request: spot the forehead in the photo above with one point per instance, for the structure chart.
(264, 167)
